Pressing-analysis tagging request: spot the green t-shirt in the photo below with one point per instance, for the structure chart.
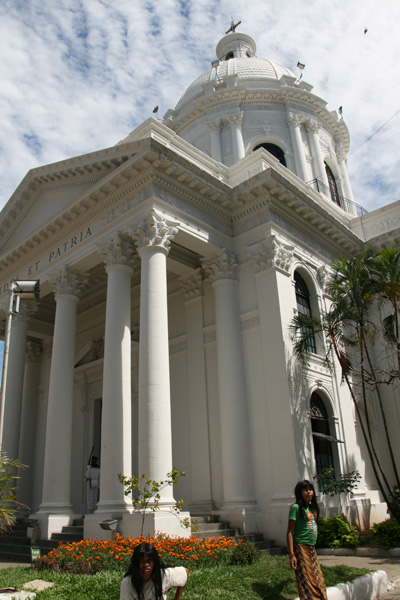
(305, 530)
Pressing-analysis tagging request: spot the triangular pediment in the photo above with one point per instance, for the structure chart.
(48, 191)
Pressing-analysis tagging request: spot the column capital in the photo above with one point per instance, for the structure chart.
(192, 286)
(117, 251)
(324, 276)
(271, 253)
(68, 281)
(214, 125)
(33, 352)
(154, 231)
(221, 265)
(292, 119)
(311, 125)
(235, 119)
(26, 312)
(47, 346)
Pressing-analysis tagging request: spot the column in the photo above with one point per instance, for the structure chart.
(116, 435)
(293, 122)
(237, 136)
(200, 464)
(344, 175)
(27, 439)
(67, 286)
(319, 165)
(215, 136)
(235, 439)
(153, 238)
(15, 379)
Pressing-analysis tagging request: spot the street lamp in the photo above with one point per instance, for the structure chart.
(27, 290)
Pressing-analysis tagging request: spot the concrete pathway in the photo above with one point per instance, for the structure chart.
(390, 565)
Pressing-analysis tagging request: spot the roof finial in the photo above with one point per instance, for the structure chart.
(233, 26)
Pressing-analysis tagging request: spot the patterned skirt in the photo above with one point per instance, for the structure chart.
(310, 580)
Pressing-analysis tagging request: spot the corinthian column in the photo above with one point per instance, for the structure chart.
(346, 186)
(293, 122)
(67, 286)
(116, 434)
(28, 422)
(15, 379)
(153, 238)
(215, 135)
(237, 136)
(235, 440)
(319, 166)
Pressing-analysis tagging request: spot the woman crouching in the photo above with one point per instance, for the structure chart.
(147, 578)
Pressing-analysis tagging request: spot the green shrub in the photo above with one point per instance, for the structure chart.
(336, 532)
(386, 534)
(244, 553)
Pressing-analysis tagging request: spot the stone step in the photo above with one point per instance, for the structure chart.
(211, 526)
(214, 533)
(65, 537)
(75, 529)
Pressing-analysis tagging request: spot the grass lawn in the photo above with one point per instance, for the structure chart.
(269, 578)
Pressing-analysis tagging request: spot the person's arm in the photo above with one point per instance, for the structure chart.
(180, 588)
(289, 540)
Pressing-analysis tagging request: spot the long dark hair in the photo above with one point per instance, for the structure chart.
(300, 486)
(146, 550)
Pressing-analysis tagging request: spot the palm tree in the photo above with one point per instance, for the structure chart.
(8, 503)
(346, 329)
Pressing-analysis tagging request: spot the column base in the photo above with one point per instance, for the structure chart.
(49, 523)
(103, 526)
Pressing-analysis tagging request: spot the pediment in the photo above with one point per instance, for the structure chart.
(48, 191)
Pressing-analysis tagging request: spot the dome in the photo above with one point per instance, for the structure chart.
(236, 65)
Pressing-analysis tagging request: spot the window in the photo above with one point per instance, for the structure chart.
(304, 307)
(229, 56)
(322, 438)
(275, 151)
(332, 185)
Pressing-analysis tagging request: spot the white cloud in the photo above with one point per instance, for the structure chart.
(79, 75)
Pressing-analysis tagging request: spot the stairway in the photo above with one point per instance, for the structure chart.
(209, 526)
(16, 545)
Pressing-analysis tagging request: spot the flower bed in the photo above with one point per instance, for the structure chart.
(93, 555)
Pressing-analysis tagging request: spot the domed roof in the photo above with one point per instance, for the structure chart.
(237, 62)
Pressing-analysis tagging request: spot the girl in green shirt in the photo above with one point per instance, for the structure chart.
(301, 540)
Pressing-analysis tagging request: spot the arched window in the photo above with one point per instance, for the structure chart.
(322, 438)
(332, 185)
(304, 307)
(275, 151)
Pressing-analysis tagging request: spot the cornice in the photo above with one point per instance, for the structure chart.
(281, 96)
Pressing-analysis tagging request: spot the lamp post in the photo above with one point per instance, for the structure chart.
(28, 290)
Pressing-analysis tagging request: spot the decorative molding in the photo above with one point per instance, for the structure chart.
(178, 345)
(210, 337)
(154, 231)
(324, 276)
(248, 324)
(68, 281)
(221, 265)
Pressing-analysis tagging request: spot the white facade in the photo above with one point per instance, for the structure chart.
(161, 339)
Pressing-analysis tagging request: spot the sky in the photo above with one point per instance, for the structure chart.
(79, 75)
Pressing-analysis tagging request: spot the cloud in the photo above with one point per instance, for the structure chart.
(79, 76)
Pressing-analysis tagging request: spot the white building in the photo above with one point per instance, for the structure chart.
(171, 266)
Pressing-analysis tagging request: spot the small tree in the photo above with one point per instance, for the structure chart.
(145, 494)
(8, 488)
(328, 484)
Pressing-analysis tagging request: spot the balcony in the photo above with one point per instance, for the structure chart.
(347, 205)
